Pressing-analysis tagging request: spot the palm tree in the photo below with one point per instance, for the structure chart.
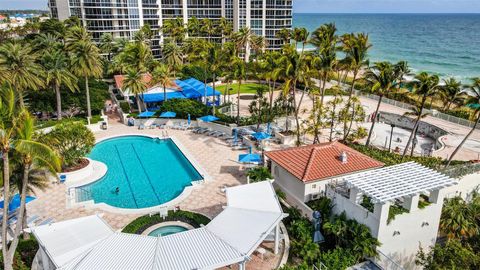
(86, 61)
(207, 28)
(451, 93)
(425, 86)
(135, 83)
(300, 35)
(242, 39)
(403, 70)
(57, 73)
(107, 45)
(239, 74)
(285, 35)
(175, 29)
(161, 75)
(31, 152)
(258, 44)
(356, 49)
(193, 27)
(226, 28)
(19, 68)
(215, 64)
(472, 101)
(173, 56)
(382, 78)
(415, 112)
(8, 125)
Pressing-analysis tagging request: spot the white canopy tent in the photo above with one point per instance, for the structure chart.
(252, 213)
(393, 182)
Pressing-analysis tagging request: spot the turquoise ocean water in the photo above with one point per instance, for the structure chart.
(445, 44)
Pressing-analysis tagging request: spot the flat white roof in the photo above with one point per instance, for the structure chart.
(229, 238)
(406, 179)
(66, 240)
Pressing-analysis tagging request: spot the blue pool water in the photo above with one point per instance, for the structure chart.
(167, 230)
(147, 172)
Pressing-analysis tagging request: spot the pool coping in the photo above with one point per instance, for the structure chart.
(167, 223)
(177, 200)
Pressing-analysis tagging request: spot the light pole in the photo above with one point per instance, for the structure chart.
(391, 135)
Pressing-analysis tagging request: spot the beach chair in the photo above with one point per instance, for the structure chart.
(205, 130)
(219, 134)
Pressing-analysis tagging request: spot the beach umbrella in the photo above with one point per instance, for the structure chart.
(249, 158)
(259, 136)
(146, 114)
(15, 202)
(168, 115)
(189, 119)
(208, 118)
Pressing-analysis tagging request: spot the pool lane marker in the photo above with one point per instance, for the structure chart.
(126, 176)
(145, 172)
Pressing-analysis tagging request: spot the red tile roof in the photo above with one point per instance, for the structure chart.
(120, 78)
(321, 161)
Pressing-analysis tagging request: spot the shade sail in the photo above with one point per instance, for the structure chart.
(159, 97)
(168, 114)
(15, 202)
(209, 118)
(261, 136)
(146, 114)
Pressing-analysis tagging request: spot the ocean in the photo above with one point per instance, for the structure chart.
(444, 44)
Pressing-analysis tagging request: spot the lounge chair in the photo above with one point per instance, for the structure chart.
(219, 134)
(205, 130)
(240, 147)
(141, 126)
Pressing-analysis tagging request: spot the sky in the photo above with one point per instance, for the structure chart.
(332, 6)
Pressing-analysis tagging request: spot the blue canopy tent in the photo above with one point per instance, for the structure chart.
(168, 115)
(259, 136)
(160, 97)
(15, 202)
(200, 88)
(188, 91)
(208, 118)
(146, 114)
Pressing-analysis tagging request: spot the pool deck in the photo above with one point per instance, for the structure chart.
(212, 154)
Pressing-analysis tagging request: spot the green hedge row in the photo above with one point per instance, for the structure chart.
(142, 223)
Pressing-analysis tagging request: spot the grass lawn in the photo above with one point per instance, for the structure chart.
(248, 88)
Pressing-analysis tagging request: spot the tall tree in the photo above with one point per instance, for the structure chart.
(425, 86)
(135, 83)
(239, 74)
(225, 28)
(285, 35)
(161, 75)
(382, 78)
(473, 101)
(173, 56)
(242, 39)
(107, 45)
(19, 68)
(450, 93)
(85, 56)
(57, 71)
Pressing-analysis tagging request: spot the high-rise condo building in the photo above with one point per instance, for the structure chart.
(123, 18)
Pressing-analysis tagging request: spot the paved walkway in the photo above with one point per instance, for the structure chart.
(213, 155)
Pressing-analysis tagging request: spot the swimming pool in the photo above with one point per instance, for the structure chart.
(142, 172)
(167, 230)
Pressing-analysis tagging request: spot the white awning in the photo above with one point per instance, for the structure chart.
(406, 179)
(231, 237)
(66, 240)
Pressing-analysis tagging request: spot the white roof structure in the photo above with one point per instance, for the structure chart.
(64, 241)
(406, 179)
(252, 212)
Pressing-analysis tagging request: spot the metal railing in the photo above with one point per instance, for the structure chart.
(82, 195)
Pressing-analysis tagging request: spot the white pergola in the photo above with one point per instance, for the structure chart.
(393, 182)
(252, 213)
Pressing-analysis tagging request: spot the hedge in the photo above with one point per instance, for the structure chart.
(144, 222)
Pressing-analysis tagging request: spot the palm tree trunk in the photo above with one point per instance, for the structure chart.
(21, 102)
(164, 93)
(26, 236)
(424, 99)
(463, 141)
(59, 102)
(7, 262)
(214, 97)
(21, 211)
(346, 131)
(238, 101)
(297, 110)
(87, 91)
(137, 97)
(332, 122)
(374, 119)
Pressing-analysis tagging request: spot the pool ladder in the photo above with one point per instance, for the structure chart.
(165, 134)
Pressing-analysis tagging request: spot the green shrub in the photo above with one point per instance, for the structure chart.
(367, 203)
(423, 201)
(280, 194)
(394, 211)
(338, 258)
(259, 174)
(124, 106)
(72, 141)
(24, 255)
(183, 107)
(324, 205)
(142, 223)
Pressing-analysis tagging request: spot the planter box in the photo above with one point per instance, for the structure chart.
(286, 139)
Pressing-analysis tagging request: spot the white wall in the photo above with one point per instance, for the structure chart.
(465, 186)
(287, 182)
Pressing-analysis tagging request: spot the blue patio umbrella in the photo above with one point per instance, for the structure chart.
(259, 136)
(168, 115)
(189, 119)
(208, 118)
(146, 114)
(15, 202)
(249, 158)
